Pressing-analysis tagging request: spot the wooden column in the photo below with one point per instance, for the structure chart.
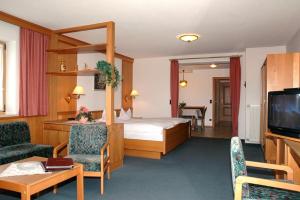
(110, 54)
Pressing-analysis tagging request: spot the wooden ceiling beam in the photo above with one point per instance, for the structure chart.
(83, 28)
(23, 23)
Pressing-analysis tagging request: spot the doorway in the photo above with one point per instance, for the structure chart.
(221, 116)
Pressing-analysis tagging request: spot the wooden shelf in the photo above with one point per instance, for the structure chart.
(91, 48)
(75, 73)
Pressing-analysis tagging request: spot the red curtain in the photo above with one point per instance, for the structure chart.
(33, 66)
(174, 87)
(235, 87)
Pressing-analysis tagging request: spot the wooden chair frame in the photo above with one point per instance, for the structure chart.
(104, 163)
(265, 182)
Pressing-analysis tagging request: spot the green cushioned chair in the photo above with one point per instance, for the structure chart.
(88, 145)
(15, 143)
(247, 188)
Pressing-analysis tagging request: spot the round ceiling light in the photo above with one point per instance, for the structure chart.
(188, 37)
(213, 65)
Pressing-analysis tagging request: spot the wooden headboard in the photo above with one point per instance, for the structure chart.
(97, 114)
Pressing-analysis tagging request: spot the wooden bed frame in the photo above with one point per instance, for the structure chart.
(172, 137)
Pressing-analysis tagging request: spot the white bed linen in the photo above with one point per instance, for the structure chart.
(148, 128)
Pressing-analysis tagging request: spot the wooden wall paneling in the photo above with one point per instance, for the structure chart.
(52, 81)
(70, 60)
(60, 86)
(127, 76)
(65, 85)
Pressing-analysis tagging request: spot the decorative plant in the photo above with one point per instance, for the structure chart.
(107, 69)
(83, 115)
(181, 105)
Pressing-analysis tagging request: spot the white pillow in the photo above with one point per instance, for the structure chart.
(103, 118)
(125, 115)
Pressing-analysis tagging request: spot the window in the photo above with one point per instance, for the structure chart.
(2, 76)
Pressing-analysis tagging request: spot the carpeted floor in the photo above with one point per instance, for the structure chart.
(196, 170)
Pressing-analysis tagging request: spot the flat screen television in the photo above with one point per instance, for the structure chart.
(284, 112)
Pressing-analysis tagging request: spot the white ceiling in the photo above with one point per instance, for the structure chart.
(148, 28)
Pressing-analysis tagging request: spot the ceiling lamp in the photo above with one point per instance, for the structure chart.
(213, 65)
(183, 83)
(188, 37)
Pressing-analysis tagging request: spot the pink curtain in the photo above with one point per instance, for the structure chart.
(33, 66)
(235, 87)
(174, 87)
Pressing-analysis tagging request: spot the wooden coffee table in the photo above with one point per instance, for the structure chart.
(31, 184)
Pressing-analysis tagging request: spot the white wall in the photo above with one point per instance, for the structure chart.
(95, 99)
(151, 77)
(200, 89)
(294, 44)
(10, 34)
(255, 58)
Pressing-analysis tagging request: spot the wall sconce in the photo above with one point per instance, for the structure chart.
(133, 94)
(78, 90)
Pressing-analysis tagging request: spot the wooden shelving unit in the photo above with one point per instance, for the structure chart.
(116, 130)
(91, 48)
(75, 73)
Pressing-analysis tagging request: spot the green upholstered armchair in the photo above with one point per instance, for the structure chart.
(246, 187)
(88, 145)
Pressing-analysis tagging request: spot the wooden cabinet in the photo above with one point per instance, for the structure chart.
(263, 117)
(287, 152)
(279, 71)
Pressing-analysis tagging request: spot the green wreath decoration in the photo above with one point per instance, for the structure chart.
(106, 68)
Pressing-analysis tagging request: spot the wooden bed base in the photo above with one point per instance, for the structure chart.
(155, 149)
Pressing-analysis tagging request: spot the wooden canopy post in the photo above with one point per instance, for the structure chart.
(110, 54)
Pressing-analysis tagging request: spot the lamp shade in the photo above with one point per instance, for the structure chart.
(183, 83)
(78, 90)
(134, 93)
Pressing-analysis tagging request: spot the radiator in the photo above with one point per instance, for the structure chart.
(253, 124)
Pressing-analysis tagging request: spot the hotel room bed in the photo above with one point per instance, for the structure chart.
(154, 137)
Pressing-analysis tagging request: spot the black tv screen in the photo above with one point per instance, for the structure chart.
(284, 112)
